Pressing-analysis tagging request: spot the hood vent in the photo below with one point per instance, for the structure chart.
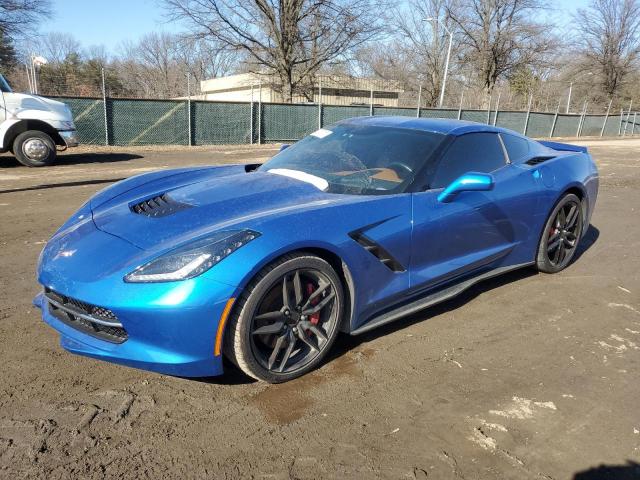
(158, 206)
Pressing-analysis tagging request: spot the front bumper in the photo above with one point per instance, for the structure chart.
(70, 137)
(170, 327)
(175, 341)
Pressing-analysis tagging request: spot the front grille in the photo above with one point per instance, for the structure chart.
(158, 206)
(96, 321)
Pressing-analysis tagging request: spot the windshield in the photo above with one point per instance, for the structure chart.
(358, 159)
(4, 85)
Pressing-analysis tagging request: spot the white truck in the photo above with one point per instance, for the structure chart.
(33, 127)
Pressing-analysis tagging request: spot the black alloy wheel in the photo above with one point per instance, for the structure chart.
(561, 236)
(287, 319)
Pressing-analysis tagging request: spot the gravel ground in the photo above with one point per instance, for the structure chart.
(525, 376)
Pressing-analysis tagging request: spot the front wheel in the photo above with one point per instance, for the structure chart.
(285, 322)
(561, 235)
(34, 148)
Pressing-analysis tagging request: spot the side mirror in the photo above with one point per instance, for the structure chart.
(469, 182)
(284, 146)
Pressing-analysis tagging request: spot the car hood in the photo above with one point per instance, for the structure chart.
(197, 202)
(20, 105)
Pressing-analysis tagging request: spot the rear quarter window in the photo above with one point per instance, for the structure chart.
(517, 148)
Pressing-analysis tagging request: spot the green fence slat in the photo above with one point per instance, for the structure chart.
(512, 120)
(222, 123)
(592, 125)
(148, 122)
(88, 114)
(334, 113)
(567, 125)
(613, 124)
(394, 111)
(539, 124)
(438, 113)
(281, 123)
(479, 116)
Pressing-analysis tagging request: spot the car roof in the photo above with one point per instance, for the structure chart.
(439, 125)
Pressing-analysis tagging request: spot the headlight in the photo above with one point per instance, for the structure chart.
(193, 259)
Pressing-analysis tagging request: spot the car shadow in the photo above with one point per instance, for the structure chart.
(232, 376)
(629, 471)
(587, 242)
(344, 343)
(46, 186)
(10, 161)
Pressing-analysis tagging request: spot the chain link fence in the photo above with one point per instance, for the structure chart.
(250, 111)
(197, 122)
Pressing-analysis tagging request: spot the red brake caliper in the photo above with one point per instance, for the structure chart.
(315, 318)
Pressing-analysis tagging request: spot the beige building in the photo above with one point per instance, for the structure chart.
(334, 90)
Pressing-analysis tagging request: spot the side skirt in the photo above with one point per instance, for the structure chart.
(433, 299)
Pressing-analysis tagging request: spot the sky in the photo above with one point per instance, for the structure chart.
(111, 22)
(106, 22)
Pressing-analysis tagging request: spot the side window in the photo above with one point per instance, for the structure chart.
(517, 148)
(473, 152)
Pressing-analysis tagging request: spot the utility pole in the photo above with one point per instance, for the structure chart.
(606, 117)
(104, 102)
(189, 108)
(371, 102)
(626, 123)
(319, 102)
(446, 63)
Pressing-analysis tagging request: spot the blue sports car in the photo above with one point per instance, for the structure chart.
(353, 227)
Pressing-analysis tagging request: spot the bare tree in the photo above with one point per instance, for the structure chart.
(499, 37)
(608, 41)
(18, 17)
(292, 39)
(423, 44)
(156, 66)
(57, 46)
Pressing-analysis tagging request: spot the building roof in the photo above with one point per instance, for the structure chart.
(247, 80)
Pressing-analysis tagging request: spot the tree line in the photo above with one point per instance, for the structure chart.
(522, 49)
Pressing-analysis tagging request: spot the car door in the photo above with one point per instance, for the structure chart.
(477, 229)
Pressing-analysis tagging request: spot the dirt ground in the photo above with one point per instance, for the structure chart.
(528, 376)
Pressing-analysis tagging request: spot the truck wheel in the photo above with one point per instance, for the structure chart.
(34, 149)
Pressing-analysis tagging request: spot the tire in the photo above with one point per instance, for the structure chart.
(34, 149)
(561, 235)
(261, 323)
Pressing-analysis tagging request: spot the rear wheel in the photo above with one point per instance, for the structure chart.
(561, 235)
(34, 148)
(286, 320)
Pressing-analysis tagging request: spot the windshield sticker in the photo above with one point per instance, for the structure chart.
(323, 132)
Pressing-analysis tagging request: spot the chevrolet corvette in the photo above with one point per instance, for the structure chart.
(357, 225)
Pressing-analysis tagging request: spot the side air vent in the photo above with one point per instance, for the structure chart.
(158, 206)
(377, 251)
(537, 160)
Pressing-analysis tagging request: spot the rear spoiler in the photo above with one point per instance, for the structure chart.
(563, 147)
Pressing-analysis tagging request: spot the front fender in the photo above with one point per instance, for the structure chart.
(4, 129)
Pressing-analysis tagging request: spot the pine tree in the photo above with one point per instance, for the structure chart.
(8, 57)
